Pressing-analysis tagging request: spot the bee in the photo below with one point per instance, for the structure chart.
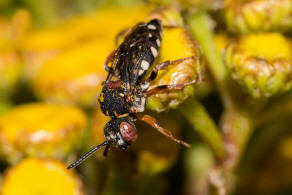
(130, 71)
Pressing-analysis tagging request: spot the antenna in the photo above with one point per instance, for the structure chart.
(85, 156)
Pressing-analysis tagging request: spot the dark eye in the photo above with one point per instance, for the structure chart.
(128, 131)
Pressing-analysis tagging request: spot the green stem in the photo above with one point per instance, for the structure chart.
(236, 122)
(200, 27)
(205, 126)
(237, 127)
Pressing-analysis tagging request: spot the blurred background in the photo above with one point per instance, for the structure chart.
(237, 116)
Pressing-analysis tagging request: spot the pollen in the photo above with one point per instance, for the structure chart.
(123, 115)
(101, 98)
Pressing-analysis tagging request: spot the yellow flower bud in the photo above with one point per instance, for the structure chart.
(40, 129)
(170, 16)
(261, 63)
(74, 76)
(34, 176)
(176, 44)
(258, 15)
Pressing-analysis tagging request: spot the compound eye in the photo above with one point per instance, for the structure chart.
(128, 132)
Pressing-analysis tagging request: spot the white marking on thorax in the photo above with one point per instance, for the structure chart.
(120, 142)
(151, 26)
(145, 85)
(143, 101)
(140, 109)
(150, 35)
(139, 104)
(154, 51)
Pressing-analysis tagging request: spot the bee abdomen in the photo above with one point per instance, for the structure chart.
(149, 45)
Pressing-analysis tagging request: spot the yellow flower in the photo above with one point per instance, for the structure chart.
(261, 63)
(40, 129)
(244, 16)
(102, 26)
(170, 16)
(75, 74)
(176, 44)
(34, 176)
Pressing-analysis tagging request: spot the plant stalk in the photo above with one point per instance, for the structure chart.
(198, 117)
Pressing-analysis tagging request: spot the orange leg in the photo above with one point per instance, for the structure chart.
(163, 66)
(152, 121)
(108, 60)
(161, 88)
(170, 26)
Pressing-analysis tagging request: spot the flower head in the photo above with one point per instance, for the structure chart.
(261, 63)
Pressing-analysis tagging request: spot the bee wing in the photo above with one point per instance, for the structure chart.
(144, 47)
(136, 54)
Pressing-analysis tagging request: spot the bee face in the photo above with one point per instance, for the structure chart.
(120, 131)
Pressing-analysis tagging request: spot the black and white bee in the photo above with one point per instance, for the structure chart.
(130, 71)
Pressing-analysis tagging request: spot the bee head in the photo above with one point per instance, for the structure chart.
(120, 131)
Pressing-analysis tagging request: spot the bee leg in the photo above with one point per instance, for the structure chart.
(109, 60)
(152, 121)
(107, 147)
(164, 65)
(170, 26)
(121, 35)
(172, 87)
